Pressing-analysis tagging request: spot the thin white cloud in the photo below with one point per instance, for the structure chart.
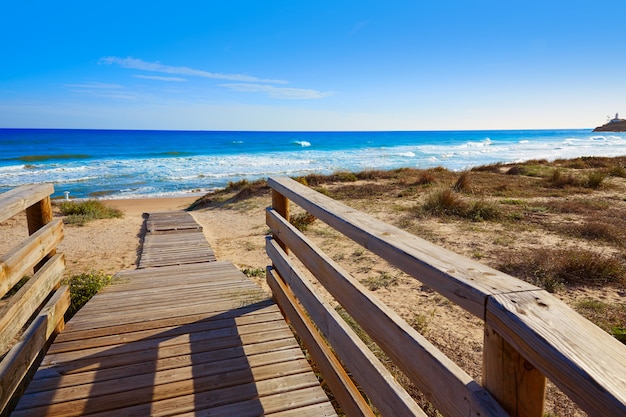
(138, 64)
(159, 78)
(95, 85)
(277, 92)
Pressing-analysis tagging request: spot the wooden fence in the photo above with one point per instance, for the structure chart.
(31, 313)
(529, 334)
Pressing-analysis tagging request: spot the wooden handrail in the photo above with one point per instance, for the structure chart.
(41, 297)
(528, 332)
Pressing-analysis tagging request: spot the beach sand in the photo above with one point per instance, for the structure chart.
(236, 233)
(111, 245)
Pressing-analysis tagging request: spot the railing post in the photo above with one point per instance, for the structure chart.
(515, 383)
(37, 216)
(280, 203)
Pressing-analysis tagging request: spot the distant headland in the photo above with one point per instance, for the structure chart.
(614, 125)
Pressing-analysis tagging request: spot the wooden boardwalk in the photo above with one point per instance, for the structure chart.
(173, 238)
(198, 338)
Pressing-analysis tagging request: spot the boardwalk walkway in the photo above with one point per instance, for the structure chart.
(188, 336)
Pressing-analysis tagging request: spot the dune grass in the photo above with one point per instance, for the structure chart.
(80, 212)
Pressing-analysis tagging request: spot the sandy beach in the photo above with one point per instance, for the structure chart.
(110, 245)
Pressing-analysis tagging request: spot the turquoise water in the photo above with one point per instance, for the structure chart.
(130, 164)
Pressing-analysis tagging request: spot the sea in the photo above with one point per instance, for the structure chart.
(119, 164)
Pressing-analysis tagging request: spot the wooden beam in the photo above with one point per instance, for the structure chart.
(28, 299)
(585, 362)
(18, 261)
(281, 204)
(18, 361)
(465, 282)
(452, 391)
(346, 393)
(374, 379)
(19, 199)
(37, 216)
(517, 385)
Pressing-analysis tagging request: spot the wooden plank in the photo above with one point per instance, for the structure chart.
(301, 403)
(241, 317)
(280, 203)
(586, 363)
(170, 221)
(100, 353)
(175, 381)
(517, 385)
(462, 280)
(50, 378)
(58, 366)
(19, 359)
(37, 216)
(181, 396)
(344, 390)
(247, 400)
(19, 199)
(179, 330)
(370, 374)
(15, 263)
(22, 305)
(445, 384)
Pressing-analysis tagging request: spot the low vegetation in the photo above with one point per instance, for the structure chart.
(560, 225)
(83, 287)
(79, 213)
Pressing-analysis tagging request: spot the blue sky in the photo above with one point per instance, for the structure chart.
(312, 65)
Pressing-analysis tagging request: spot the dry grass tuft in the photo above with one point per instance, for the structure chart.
(552, 269)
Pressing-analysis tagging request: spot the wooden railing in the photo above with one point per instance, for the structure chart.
(529, 334)
(32, 314)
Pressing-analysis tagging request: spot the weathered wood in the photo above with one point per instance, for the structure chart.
(445, 384)
(465, 282)
(218, 343)
(173, 358)
(174, 381)
(19, 359)
(370, 374)
(344, 390)
(163, 222)
(173, 238)
(19, 199)
(280, 203)
(37, 216)
(15, 264)
(585, 362)
(22, 305)
(517, 385)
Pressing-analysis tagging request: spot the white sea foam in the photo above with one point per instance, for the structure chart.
(303, 143)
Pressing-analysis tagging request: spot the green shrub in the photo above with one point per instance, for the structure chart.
(83, 287)
(254, 272)
(302, 221)
(482, 210)
(79, 213)
(595, 179)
